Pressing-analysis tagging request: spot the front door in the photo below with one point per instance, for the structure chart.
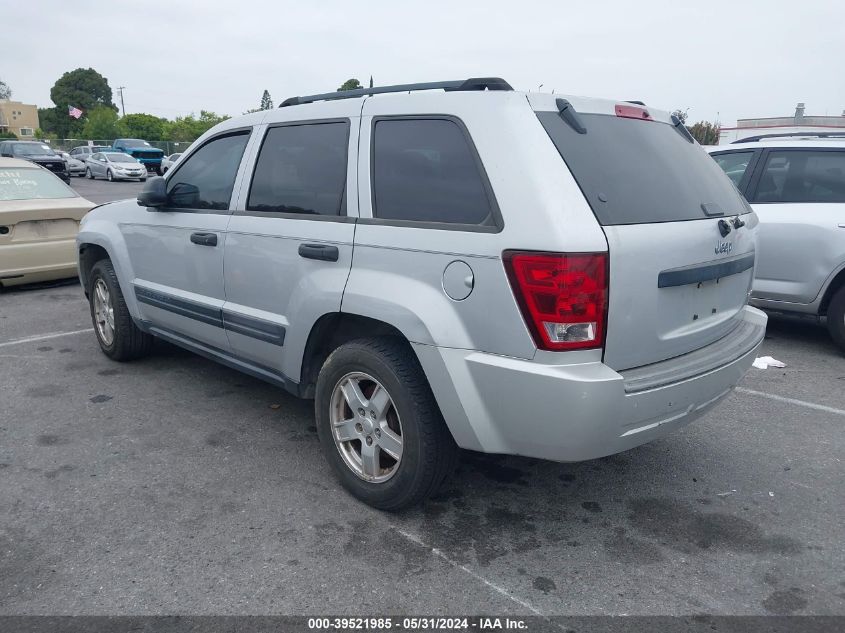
(289, 244)
(177, 250)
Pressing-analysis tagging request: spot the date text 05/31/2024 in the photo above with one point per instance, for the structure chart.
(416, 623)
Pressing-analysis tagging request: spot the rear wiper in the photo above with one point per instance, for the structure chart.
(682, 129)
(568, 114)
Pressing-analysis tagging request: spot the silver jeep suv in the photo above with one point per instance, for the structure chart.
(443, 265)
(796, 184)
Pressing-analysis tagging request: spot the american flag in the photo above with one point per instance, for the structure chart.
(74, 112)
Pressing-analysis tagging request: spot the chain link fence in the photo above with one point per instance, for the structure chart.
(67, 144)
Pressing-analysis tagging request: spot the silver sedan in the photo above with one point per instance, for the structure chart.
(114, 166)
(75, 167)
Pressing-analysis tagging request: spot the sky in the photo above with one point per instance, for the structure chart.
(717, 59)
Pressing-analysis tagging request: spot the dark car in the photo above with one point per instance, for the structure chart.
(38, 153)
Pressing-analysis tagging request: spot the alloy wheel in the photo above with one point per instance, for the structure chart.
(366, 427)
(103, 312)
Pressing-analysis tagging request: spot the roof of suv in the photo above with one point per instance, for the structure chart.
(435, 97)
(781, 142)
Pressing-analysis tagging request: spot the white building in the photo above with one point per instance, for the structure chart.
(796, 124)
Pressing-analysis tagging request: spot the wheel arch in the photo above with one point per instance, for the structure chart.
(89, 254)
(837, 282)
(331, 331)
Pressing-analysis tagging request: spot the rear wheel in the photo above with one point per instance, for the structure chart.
(836, 318)
(118, 336)
(379, 425)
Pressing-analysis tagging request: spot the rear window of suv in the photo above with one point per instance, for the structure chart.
(637, 172)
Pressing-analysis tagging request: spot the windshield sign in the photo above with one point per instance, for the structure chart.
(32, 149)
(32, 184)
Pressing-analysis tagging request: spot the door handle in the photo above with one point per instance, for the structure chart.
(323, 252)
(842, 226)
(204, 239)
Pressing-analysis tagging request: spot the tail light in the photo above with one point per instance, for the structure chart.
(563, 297)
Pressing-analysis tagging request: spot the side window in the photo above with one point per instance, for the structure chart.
(802, 176)
(301, 169)
(205, 180)
(734, 164)
(424, 170)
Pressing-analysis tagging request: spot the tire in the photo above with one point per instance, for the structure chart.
(88, 173)
(836, 318)
(142, 179)
(428, 452)
(158, 171)
(127, 341)
(109, 175)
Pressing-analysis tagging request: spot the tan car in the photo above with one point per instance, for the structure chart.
(39, 220)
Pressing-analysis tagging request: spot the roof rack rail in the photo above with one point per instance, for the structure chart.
(473, 83)
(761, 137)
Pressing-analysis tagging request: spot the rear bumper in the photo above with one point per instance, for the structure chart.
(45, 261)
(586, 410)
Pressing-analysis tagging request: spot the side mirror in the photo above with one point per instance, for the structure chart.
(154, 193)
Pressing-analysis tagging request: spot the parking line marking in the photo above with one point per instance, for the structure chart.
(500, 590)
(800, 403)
(44, 337)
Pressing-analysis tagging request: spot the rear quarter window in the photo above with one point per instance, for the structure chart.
(638, 172)
(425, 170)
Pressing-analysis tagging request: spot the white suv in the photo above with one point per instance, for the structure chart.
(796, 185)
(453, 264)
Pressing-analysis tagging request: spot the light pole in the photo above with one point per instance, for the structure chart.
(122, 109)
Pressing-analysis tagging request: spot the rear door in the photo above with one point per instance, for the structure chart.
(799, 195)
(679, 234)
(289, 245)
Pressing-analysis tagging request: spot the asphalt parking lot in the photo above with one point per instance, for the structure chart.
(175, 485)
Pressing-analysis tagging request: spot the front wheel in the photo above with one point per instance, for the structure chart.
(142, 179)
(836, 318)
(379, 425)
(118, 336)
(88, 173)
(110, 176)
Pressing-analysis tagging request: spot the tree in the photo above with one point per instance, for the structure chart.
(140, 125)
(83, 88)
(682, 116)
(705, 132)
(350, 84)
(189, 128)
(101, 124)
(5, 91)
(49, 120)
(266, 101)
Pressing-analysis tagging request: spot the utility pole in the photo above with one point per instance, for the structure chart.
(122, 109)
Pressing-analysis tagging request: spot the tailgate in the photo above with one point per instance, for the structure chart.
(680, 237)
(674, 287)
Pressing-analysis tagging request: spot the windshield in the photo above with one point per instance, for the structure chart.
(134, 142)
(32, 184)
(638, 172)
(32, 149)
(120, 158)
